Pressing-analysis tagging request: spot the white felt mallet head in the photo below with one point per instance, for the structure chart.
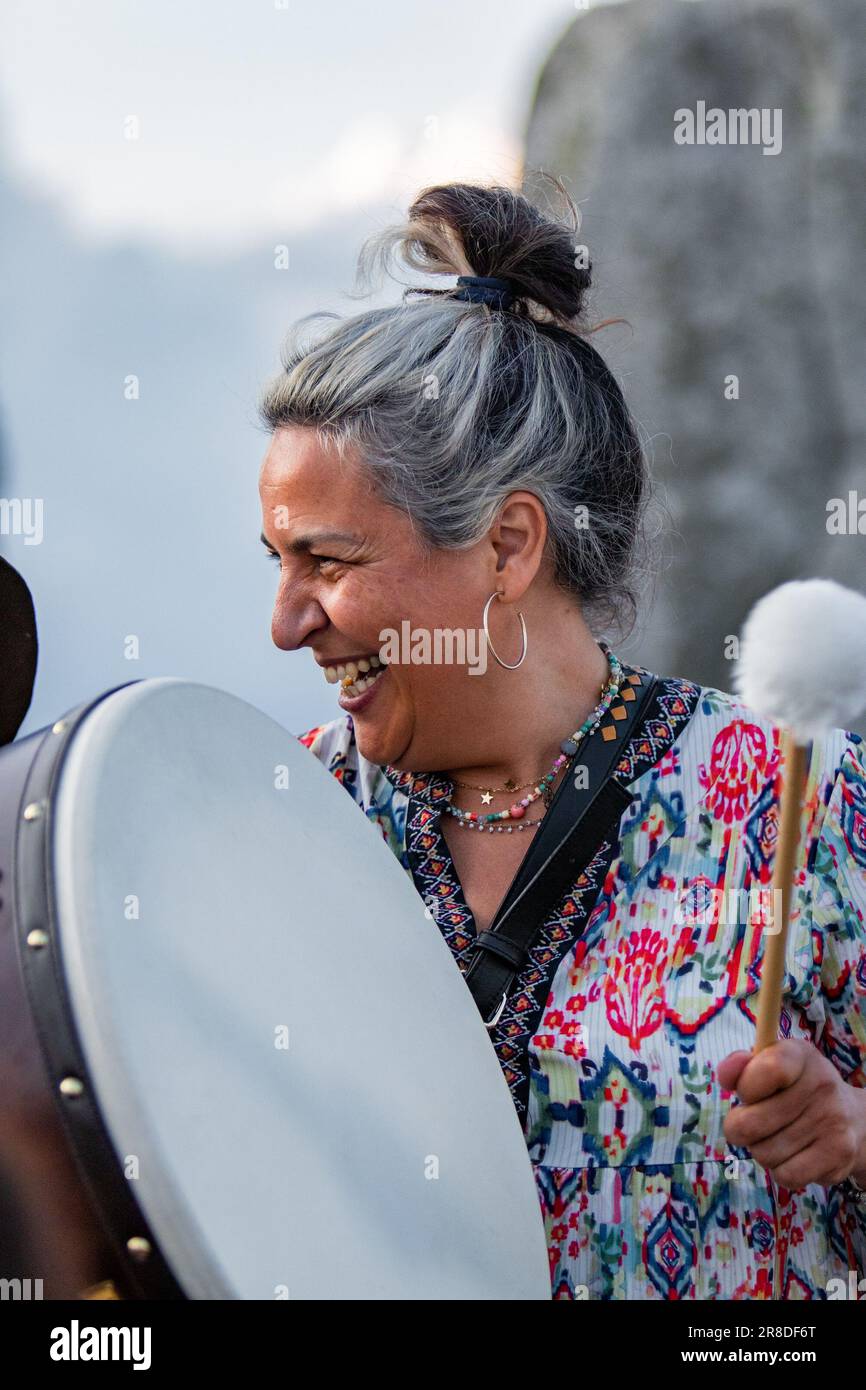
(803, 657)
(802, 666)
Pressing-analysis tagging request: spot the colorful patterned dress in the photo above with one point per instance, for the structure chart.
(644, 977)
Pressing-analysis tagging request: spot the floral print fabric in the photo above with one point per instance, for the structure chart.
(644, 977)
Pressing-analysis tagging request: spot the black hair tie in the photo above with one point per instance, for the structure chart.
(485, 289)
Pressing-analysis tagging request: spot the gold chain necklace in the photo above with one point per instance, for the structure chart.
(498, 820)
(509, 785)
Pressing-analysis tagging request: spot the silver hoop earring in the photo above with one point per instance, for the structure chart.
(496, 594)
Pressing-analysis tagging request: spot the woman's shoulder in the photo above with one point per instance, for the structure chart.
(720, 711)
(737, 752)
(323, 739)
(370, 786)
(335, 746)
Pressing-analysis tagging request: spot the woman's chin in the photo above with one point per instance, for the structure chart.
(386, 746)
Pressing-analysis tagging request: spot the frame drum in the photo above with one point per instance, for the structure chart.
(239, 1059)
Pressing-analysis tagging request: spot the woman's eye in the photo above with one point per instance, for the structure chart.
(319, 560)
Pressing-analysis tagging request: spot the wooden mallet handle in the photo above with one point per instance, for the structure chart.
(787, 844)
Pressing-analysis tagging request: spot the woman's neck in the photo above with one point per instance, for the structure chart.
(530, 717)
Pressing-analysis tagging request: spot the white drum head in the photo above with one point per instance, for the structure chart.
(207, 917)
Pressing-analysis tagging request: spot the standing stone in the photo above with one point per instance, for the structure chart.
(727, 263)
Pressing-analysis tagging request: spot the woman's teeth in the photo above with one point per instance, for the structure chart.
(354, 675)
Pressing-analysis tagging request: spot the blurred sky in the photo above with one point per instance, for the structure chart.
(374, 100)
(261, 124)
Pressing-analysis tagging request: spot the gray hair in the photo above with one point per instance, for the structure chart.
(452, 405)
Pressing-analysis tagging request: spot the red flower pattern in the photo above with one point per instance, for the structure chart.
(634, 992)
(740, 764)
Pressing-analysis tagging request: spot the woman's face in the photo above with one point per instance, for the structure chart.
(352, 567)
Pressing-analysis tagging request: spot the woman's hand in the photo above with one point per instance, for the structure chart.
(797, 1117)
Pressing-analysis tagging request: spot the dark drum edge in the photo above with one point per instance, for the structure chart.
(40, 957)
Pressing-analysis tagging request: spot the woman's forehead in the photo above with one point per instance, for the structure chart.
(306, 486)
(297, 455)
(300, 467)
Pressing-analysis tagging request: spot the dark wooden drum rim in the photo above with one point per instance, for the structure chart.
(40, 956)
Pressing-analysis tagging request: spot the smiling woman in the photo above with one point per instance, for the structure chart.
(465, 461)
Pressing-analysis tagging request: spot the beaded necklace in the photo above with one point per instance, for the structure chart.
(477, 820)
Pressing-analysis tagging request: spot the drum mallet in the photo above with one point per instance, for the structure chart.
(802, 664)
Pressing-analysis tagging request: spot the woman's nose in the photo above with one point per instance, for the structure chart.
(294, 619)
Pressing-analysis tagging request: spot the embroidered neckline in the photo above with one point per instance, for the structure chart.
(435, 877)
(431, 787)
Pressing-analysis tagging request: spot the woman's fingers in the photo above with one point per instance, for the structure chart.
(730, 1069)
(781, 1147)
(748, 1125)
(813, 1164)
(774, 1069)
(798, 1118)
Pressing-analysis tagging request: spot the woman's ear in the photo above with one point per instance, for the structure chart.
(518, 537)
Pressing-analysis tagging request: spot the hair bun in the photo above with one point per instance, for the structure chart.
(468, 229)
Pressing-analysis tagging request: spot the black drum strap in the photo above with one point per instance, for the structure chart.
(578, 821)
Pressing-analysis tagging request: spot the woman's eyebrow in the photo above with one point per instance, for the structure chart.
(302, 543)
